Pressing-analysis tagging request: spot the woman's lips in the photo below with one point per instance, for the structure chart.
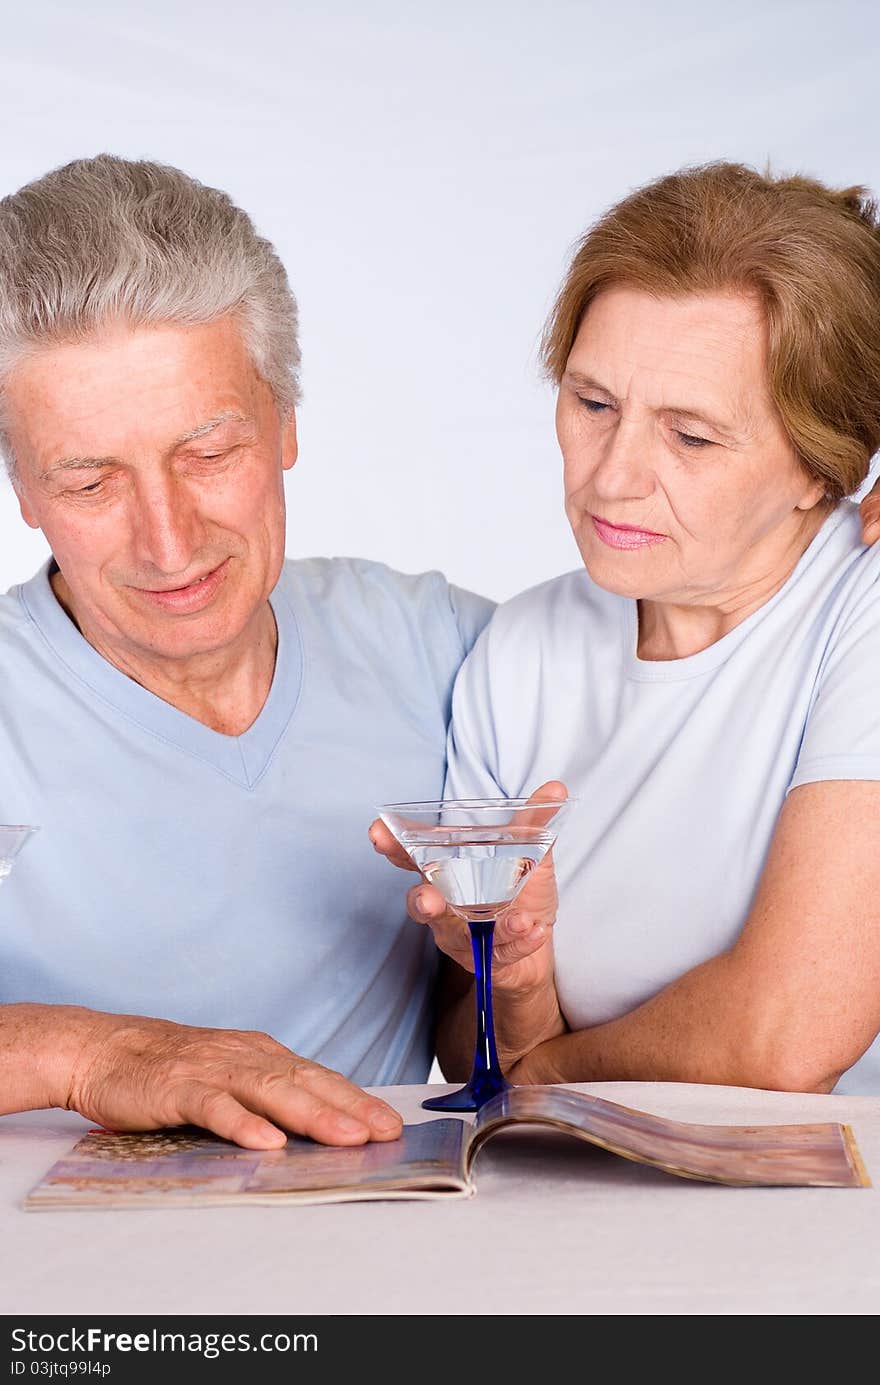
(195, 597)
(624, 535)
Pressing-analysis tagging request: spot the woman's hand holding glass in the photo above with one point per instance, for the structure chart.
(522, 954)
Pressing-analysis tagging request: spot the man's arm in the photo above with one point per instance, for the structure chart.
(129, 1072)
(794, 1002)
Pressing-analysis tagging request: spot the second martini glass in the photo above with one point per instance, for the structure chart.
(12, 839)
(478, 852)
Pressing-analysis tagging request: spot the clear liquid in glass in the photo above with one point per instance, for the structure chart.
(479, 871)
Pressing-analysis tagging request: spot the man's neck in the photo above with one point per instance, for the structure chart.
(224, 689)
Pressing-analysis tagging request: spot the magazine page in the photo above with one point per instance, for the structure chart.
(820, 1155)
(189, 1167)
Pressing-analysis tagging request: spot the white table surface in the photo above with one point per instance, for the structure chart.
(556, 1226)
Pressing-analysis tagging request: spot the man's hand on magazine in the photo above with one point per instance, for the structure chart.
(128, 1072)
(522, 958)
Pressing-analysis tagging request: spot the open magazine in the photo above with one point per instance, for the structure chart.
(188, 1167)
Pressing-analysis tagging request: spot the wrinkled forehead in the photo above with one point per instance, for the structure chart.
(711, 346)
(129, 390)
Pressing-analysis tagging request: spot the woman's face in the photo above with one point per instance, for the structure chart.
(680, 482)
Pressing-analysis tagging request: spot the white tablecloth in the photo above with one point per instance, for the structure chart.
(556, 1226)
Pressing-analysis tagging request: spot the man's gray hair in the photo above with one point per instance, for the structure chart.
(109, 240)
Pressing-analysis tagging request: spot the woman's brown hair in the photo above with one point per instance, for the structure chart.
(812, 255)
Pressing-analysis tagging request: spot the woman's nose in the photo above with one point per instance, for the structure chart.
(624, 471)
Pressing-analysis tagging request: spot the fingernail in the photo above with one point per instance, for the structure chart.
(385, 1120)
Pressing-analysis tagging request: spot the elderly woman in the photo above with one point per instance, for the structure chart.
(707, 685)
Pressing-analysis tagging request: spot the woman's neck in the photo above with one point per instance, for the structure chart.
(685, 625)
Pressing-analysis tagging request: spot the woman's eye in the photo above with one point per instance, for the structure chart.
(691, 440)
(594, 406)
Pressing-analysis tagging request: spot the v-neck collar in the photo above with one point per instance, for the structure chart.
(243, 758)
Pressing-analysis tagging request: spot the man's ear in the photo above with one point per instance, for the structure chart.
(24, 505)
(289, 446)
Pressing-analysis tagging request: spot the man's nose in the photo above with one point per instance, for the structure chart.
(625, 471)
(169, 528)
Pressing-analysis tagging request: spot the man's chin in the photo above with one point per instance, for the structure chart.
(181, 639)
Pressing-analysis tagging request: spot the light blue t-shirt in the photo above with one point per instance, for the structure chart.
(228, 880)
(680, 766)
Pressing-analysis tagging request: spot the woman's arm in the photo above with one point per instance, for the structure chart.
(525, 1008)
(794, 1002)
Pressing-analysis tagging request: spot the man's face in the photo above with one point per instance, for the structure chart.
(152, 458)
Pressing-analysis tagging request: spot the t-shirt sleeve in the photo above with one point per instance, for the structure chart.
(471, 753)
(842, 735)
(472, 613)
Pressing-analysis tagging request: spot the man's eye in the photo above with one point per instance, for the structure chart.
(91, 489)
(691, 440)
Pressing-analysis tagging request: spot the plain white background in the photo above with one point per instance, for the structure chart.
(424, 172)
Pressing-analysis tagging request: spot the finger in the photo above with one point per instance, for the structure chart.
(221, 1113)
(385, 842)
(284, 1099)
(538, 895)
(519, 924)
(552, 793)
(425, 904)
(384, 1122)
(870, 527)
(507, 953)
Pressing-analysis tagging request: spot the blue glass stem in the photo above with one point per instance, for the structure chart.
(486, 1070)
(486, 1079)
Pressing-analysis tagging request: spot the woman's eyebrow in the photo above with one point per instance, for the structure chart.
(699, 415)
(586, 382)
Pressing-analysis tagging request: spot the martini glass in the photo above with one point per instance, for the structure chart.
(478, 852)
(12, 839)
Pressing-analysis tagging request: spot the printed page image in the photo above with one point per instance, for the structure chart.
(189, 1167)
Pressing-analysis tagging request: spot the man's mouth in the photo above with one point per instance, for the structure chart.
(193, 595)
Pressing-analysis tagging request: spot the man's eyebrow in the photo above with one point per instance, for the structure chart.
(199, 432)
(94, 463)
(581, 381)
(77, 463)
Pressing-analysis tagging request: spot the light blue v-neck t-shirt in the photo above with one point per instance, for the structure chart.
(223, 880)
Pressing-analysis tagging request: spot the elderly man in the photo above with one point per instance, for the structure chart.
(200, 729)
